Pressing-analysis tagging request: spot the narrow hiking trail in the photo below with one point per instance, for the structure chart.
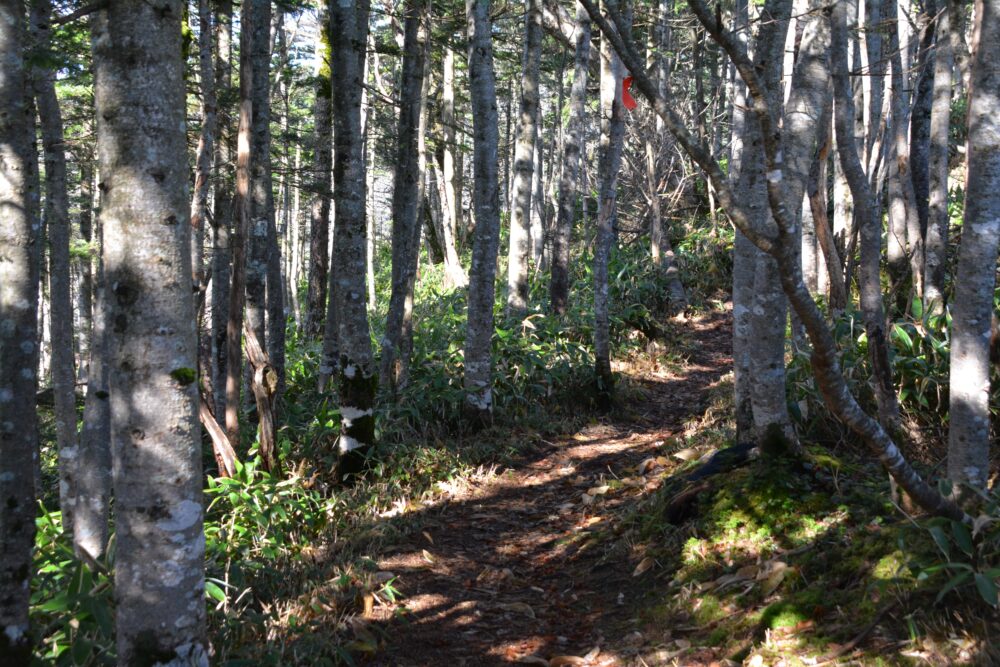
(526, 567)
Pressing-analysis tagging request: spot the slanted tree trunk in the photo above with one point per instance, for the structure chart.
(486, 206)
(609, 164)
(160, 555)
(319, 234)
(524, 164)
(356, 366)
(570, 177)
(969, 434)
(936, 244)
(824, 358)
(407, 208)
(57, 225)
(18, 342)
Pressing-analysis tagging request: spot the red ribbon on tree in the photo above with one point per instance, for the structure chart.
(627, 100)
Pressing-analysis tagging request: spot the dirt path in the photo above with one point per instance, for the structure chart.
(511, 571)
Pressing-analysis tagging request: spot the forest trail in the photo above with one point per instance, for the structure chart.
(526, 568)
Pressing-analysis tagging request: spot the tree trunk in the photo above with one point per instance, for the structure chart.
(524, 164)
(222, 219)
(570, 176)
(936, 246)
(18, 347)
(57, 224)
(768, 312)
(610, 158)
(258, 14)
(356, 367)
(90, 525)
(870, 229)
(824, 358)
(241, 226)
(486, 204)
(407, 205)
(204, 153)
(85, 302)
(159, 567)
(319, 258)
(903, 241)
(969, 435)
(451, 171)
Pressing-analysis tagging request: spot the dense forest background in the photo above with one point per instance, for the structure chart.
(620, 332)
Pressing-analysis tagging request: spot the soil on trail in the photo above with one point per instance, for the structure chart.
(510, 571)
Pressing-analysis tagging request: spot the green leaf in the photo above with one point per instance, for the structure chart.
(987, 589)
(941, 540)
(952, 584)
(963, 538)
(215, 591)
(901, 334)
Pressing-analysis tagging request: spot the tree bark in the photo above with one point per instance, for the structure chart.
(18, 342)
(319, 258)
(936, 246)
(156, 439)
(258, 14)
(486, 205)
(969, 434)
(452, 174)
(570, 176)
(90, 528)
(222, 218)
(825, 363)
(356, 368)
(610, 158)
(241, 226)
(902, 205)
(524, 164)
(870, 229)
(407, 205)
(204, 153)
(57, 225)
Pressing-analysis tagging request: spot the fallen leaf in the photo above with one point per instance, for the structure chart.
(587, 499)
(518, 607)
(682, 644)
(687, 454)
(756, 661)
(427, 556)
(384, 576)
(643, 565)
(598, 490)
(748, 571)
(428, 537)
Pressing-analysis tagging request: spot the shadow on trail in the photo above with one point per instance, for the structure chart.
(529, 564)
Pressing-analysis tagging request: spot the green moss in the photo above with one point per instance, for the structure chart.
(795, 609)
(184, 376)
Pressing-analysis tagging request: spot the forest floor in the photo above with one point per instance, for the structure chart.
(507, 570)
(564, 557)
